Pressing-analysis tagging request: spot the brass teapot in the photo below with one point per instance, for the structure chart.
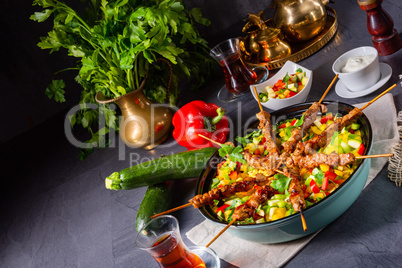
(272, 46)
(300, 20)
(263, 42)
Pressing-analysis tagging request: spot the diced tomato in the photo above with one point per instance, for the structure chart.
(314, 187)
(360, 151)
(222, 208)
(293, 122)
(257, 152)
(324, 183)
(279, 84)
(351, 131)
(324, 119)
(233, 175)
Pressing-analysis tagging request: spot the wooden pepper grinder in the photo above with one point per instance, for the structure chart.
(381, 26)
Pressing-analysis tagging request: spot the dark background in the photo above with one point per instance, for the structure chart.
(26, 70)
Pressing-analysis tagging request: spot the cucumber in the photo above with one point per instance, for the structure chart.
(354, 143)
(188, 164)
(157, 199)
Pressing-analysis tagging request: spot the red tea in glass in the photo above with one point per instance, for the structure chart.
(162, 240)
(238, 77)
(171, 252)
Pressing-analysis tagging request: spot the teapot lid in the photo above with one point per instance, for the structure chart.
(267, 34)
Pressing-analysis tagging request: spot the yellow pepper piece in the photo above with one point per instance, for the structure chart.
(324, 167)
(338, 172)
(318, 195)
(316, 130)
(276, 213)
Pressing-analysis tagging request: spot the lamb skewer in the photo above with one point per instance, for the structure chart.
(309, 117)
(247, 209)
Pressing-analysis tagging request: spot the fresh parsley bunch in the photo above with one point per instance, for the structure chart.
(117, 42)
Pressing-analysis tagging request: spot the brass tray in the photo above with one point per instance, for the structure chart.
(303, 50)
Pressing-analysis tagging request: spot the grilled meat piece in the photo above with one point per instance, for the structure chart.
(228, 190)
(247, 210)
(312, 161)
(296, 191)
(266, 127)
(297, 133)
(311, 146)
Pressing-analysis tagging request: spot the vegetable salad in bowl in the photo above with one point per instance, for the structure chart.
(317, 182)
(289, 86)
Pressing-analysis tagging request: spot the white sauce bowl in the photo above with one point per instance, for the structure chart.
(360, 79)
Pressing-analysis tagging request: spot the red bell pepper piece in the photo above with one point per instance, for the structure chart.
(325, 119)
(282, 125)
(293, 122)
(360, 150)
(314, 187)
(222, 208)
(291, 94)
(339, 181)
(330, 175)
(198, 117)
(324, 183)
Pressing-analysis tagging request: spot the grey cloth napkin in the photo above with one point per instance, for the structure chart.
(382, 115)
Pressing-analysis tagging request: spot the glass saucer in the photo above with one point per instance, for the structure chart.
(225, 96)
(209, 256)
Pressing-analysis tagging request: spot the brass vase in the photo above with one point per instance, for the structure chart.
(144, 124)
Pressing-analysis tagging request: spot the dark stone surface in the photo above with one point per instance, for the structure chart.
(56, 212)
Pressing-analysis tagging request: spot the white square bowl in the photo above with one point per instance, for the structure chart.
(275, 104)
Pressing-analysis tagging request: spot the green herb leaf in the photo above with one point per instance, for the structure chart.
(300, 121)
(318, 175)
(286, 78)
(55, 90)
(248, 138)
(280, 183)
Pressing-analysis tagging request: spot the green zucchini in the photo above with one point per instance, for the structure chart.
(157, 199)
(187, 164)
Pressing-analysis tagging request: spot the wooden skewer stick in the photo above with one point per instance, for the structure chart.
(303, 220)
(329, 87)
(373, 156)
(220, 233)
(211, 140)
(171, 210)
(379, 96)
(258, 99)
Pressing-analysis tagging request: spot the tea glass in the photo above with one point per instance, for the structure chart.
(162, 240)
(238, 77)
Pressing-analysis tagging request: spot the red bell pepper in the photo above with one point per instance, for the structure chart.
(330, 175)
(324, 183)
(314, 187)
(198, 117)
(360, 150)
(222, 208)
(325, 119)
